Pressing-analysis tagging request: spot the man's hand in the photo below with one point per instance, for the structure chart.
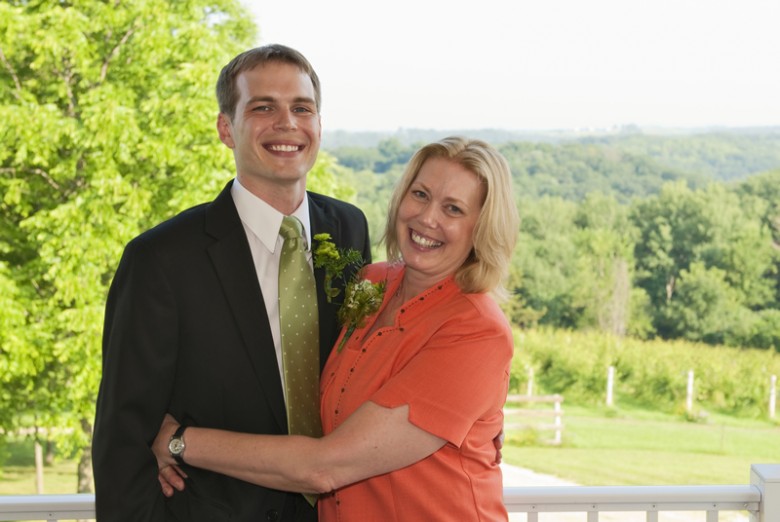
(498, 442)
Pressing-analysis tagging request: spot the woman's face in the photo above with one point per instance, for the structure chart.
(436, 218)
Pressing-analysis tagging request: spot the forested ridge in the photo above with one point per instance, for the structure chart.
(671, 236)
(628, 163)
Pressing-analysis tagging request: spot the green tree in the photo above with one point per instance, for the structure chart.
(605, 264)
(760, 197)
(706, 308)
(108, 118)
(707, 263)
(672, 227)
(543, 272)
(357, 158)
(329, 177)
(393, 152)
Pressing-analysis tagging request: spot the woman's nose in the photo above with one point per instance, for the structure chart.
(429, 216)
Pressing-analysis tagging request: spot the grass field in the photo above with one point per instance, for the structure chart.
(600, 447)
(17, 474)
(635, 447)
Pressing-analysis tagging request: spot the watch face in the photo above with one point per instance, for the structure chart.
(176, 446)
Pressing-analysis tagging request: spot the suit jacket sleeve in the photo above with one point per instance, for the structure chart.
(139, 361)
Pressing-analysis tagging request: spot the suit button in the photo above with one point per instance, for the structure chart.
(272, 515)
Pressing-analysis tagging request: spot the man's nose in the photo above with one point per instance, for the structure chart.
(285, 120)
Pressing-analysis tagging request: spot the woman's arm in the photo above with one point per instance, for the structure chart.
(372, 441)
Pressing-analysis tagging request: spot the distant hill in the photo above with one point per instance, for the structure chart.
(626, 162)
(338, 139)
(333, 139)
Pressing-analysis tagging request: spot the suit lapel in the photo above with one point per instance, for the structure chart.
(234, 266)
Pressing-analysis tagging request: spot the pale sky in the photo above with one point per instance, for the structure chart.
(535, 65)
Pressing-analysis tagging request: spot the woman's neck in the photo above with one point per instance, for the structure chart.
(414, 283)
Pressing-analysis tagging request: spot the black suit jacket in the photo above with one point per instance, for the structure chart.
(186, 332)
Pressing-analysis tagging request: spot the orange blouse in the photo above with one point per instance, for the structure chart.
(447, 356)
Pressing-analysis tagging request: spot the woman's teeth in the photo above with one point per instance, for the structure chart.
(424, 241)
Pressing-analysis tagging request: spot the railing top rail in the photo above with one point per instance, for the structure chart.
(632, 498)
(41, 507)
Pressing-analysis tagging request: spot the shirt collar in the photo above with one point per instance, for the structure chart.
(264, 220)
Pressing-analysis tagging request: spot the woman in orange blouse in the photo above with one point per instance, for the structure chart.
(413, 400)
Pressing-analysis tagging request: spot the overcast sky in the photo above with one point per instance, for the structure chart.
(535, 65)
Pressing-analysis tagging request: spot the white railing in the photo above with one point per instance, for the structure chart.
(652, 500)
(761, 499)
(47, 507)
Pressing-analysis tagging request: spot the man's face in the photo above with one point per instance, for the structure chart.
(275, 133)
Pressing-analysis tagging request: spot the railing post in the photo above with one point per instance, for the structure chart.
(610, 385)
(772, 396)
(766, 477)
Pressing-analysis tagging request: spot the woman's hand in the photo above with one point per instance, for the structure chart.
(170, 476)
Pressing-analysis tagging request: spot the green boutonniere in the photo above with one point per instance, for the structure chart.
(362, 297)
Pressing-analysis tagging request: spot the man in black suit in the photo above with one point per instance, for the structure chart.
(192, 321)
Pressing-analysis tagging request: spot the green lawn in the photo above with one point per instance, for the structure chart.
(57, 479)
(17, 473)
(600, 447)
(643, 448)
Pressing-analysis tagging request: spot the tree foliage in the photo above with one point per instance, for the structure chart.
(707, 262)
(108, 117)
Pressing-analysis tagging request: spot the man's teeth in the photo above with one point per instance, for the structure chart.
(283, 148)
(425, 242)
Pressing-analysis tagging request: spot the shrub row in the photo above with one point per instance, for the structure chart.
(648, 373)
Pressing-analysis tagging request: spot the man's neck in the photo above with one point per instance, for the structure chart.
(283, 197)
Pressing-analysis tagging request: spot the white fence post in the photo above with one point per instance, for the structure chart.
(530, 388)
(689, 395)
(766, 477)
(772, 396)
(558, 421)
(610, 384)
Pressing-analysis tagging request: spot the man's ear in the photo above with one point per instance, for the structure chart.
(225, 129)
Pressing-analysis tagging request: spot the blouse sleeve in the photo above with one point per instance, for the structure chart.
(459, 376)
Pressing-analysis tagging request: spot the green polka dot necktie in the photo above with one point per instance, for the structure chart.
(300, 335)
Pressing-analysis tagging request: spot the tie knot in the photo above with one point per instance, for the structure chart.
(291, 228)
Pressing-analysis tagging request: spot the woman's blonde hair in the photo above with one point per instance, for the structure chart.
(497, 226)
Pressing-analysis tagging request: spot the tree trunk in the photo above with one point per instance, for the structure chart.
(48, 459)
(85, 477)
(38, 467)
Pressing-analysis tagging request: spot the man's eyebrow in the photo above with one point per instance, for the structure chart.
(304, 99)
(299, 99)
(254, 99)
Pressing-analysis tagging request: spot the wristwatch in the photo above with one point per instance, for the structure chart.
(176, 444)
